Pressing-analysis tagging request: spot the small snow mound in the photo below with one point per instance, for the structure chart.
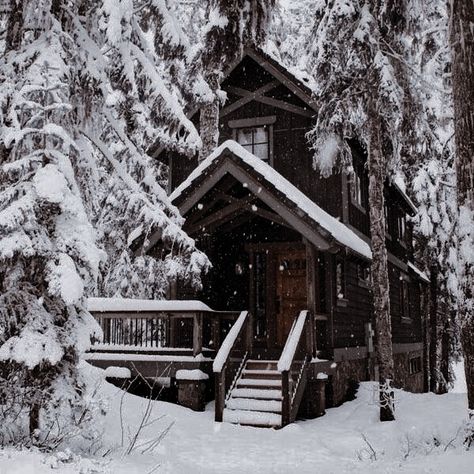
(118, 372)
(196, 374)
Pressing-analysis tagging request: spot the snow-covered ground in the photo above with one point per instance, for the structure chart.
(425, 438)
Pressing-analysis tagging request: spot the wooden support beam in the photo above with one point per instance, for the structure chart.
(311, 282)
(281, 104)
(221, 214)
(247, 96)
(197, 333)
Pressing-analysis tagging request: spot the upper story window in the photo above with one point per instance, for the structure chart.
(256, 140)
(356, 189)
(402, 226)
(340, 280)
(405, 299)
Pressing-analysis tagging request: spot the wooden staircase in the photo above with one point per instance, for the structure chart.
(256, 399)
(263, 393)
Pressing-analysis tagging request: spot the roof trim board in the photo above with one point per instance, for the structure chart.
(279, 194)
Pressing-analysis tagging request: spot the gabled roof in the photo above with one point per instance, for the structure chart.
(316, 224)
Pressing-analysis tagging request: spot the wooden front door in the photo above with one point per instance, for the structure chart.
(291, 290)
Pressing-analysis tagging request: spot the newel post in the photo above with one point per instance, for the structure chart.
(249, 333)
(197, 334)
(286, 402)
(220, 394)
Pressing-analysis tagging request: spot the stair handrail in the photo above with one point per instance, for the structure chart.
(296, 344)
(243, 326)
(289, 351)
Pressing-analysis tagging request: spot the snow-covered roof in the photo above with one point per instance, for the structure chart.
(419, 272)
(340, 232)
(405, 196)
(128, 304)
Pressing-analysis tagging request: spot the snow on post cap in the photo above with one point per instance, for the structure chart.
(118, 372)
(321, 376)
(127, 304)
(339, 231)
(196, 374)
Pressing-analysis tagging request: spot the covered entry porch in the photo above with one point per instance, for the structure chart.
(273, 253)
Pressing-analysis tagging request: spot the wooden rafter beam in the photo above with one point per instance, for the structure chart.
(281, 104)
(221, 214)
(247, 96)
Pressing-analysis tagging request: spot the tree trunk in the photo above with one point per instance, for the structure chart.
(462, 45)
(34, 420)
(434, 359)
(380, 281)
(209, 122)
(14, 25)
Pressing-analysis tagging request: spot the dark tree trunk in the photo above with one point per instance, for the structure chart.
(462, 45)
(380, 281)
(34, 420)
(209, 122)
(14, 25)
(434, 369)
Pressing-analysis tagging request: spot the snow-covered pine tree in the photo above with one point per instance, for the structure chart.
(49, 258)
(231, 26)
(430, 173)
(462, 46)
(83, 98)
(361, 88)
(130, 50)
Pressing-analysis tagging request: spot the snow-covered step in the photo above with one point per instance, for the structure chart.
(253, 418)
(257, 364)
(259, 383)
(256, 393)
(254, 404)
(261, 374)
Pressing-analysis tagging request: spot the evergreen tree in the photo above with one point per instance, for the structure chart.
(362, 92)
(86, 91)
(49, 258)
(231, 26)
(462, 46)
(429, 169)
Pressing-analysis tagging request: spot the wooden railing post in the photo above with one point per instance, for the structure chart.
(220, 395)
(286, 400)
(249, 333)
(197, 334)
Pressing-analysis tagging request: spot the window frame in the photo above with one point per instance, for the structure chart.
(405, 303)
(357, 191)
(255, 122)
(415, 365)
(340, 300)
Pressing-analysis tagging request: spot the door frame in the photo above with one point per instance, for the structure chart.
(272, 249)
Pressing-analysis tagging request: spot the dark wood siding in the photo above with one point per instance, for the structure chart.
(352, 312)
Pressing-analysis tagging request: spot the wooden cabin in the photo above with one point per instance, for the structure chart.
(291, 258)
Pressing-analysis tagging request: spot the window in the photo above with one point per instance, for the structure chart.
(256, 140)
(404, 299)
(356, 189)
(340, 283)
(387, 226)
(364, 274)
(415, 365)
(402, 226)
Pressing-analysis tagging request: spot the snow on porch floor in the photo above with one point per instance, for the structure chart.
(328, 445)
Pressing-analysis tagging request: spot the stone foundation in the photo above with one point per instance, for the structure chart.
(344, 381)
(192, 388)
(411, 382)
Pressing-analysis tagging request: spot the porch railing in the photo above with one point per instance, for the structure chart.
(231, 359)
(293, 365)
(154, 330)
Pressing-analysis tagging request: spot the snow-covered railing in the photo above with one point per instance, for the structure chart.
(230, 359)
(293, 365)
(154, 325)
